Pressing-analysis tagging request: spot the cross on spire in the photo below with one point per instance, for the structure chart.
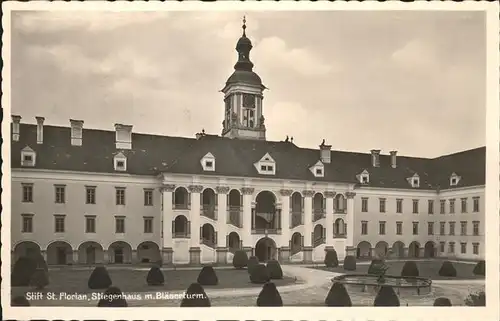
(244, 25)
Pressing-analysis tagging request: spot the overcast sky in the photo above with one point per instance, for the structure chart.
(407, 81)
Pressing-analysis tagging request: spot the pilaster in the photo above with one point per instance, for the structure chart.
(167, 254)
(350, 218)
(284, 254)
(222, 215)
(247, 216)
(194, 255)
(167, 215)
(329, 218)
(221, 255)
(285, 216)
(134, 258)
(74, 257)
(194, 215)
(308, 223)
(308, 250)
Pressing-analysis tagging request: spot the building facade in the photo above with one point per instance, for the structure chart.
(85, 196)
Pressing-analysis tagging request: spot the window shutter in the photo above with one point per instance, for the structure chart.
(201, 232)
(215, 238)
(290, 244)
(241, 200)
(290, 203)
(302, 240)
(189, 198)
(227, 241)
(345, 204)
(312, 237)
(173, 227)
(302, 204)
(324, 232)
(345, 228)
(241, 244)
(324, 205)
(173, 198)
(217, 199)
(201, 199)
(189, 227)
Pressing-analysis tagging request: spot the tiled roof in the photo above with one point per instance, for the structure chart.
(151, 155)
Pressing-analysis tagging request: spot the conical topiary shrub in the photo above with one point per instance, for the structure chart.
(386, 297)
(410, 268)
(480, 268)
(374, 266)
(240, 259)
(23, 270)
(331, 259)
(207, 276)
(447, 269)
(195, 297)
(350, 263)
(269, 296)
(259, 274)
(442, 302)
(20, 301)
(275, 271)
(252, 261)
(155, 276)
(99, 279)
(113, 298)
(338, 296)
(39, 279)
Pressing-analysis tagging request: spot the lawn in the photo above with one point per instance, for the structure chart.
(426, 269)
(128, 280)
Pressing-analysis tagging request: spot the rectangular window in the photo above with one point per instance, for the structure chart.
(399, 206)
(415, 228)
(27, 193)
(60, 194)
(430, 205)
(475, 248)
(463, 228)
(442, 228)
(90, 194)
(442, 206)
(463, 248)
(59, 223)
(463, 202)
(90, 224)
(430, 228)
(364, 204)
(27, 223)
(452, 206)
(442, 246)
(452, 228)
(382, 205)
(399, 228)
(148, 225)
(475, 204)
(120, 196)
(148, 197)
(415, 206)
(120, 224)
(451, 247)
(381, 227)
(364, 227)
(475, 228)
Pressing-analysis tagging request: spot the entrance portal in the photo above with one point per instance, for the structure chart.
(265, 249)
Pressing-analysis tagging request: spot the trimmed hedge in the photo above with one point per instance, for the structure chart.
(331, 259)
(39, 279)
(113, 299)
(338, 296)
(195, 297)
(447, 269)
(350, 263)
(99, 279)
(480, 268)
(269, 296)
(374, 266)
(476, 299)
(410, 268)
(442, 302)
(23, 270)
(240, 259)
(386, 297)
(259, 274)
(275, 271)
(252, 261)
(20, 301)
(207, 276)
(155, 276)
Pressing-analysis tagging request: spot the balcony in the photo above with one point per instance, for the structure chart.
(209, 211)
(318, 214)
(181, 206)
(234, 216)
(340, 211)
(297, 219)
(339, 236)
(209, 243)
(266, 231)
(318, 241)
(181, 235)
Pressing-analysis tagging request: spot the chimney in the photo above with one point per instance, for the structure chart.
(375, 157)
(123, 136)
(393, 158)
(16, 119)
(325, 152)
(39, 129)
(76, 132)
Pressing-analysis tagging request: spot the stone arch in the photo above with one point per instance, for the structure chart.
(181, 198)
(90, 252)
(208, 235)
(26, 249)
(318, 232)
(339, 203)
(318, 202)
(296, 243)
(364, 250)
(148, 252)
(339, 227)
(120, 252)
(414, 249)
(430, 249)
(296, 202)
(181, 226)
(265, 214)
(233, 242)
(398, 249)
(265, 249)
(59, 253)
(382, 249)
(209, 203)
(234, 206)
(235, 199)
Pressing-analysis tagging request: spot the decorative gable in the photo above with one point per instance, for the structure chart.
(414, 181)
(266, 165)
(28, 157)
(120, 162)
(363, 177)
(208, 162)
(318, 169)
(454, 179)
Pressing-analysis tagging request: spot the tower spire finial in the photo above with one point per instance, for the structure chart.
(244, 25)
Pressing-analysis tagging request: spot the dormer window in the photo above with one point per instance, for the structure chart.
(414, 181)
(28, 157)
(208, 162)
(364, 177)
(318, 169)
(454, 179)
(266, 165)
(120, 162)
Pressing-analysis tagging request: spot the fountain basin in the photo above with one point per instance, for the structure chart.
(367, 283)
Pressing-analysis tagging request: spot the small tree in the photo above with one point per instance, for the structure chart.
(39, 279)
(113, 298)
(195, 297)
(378, 268)
(480, 268)
(240, 259)
(410, 268)
(331, 259)
(350, 263)
(207, 276)
(386, 297)
(269, 296)
(252, 261)
(23, 270)
(442, 302)
(259, 274)
(99, 279)
(275, 271)
(338, 296)
(155, 276)
(447, 269)
(20, 301)
(476, 299)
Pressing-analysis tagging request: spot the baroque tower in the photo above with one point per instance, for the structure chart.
(243, 116)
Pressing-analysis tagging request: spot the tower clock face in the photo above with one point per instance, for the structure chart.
(248, 100)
